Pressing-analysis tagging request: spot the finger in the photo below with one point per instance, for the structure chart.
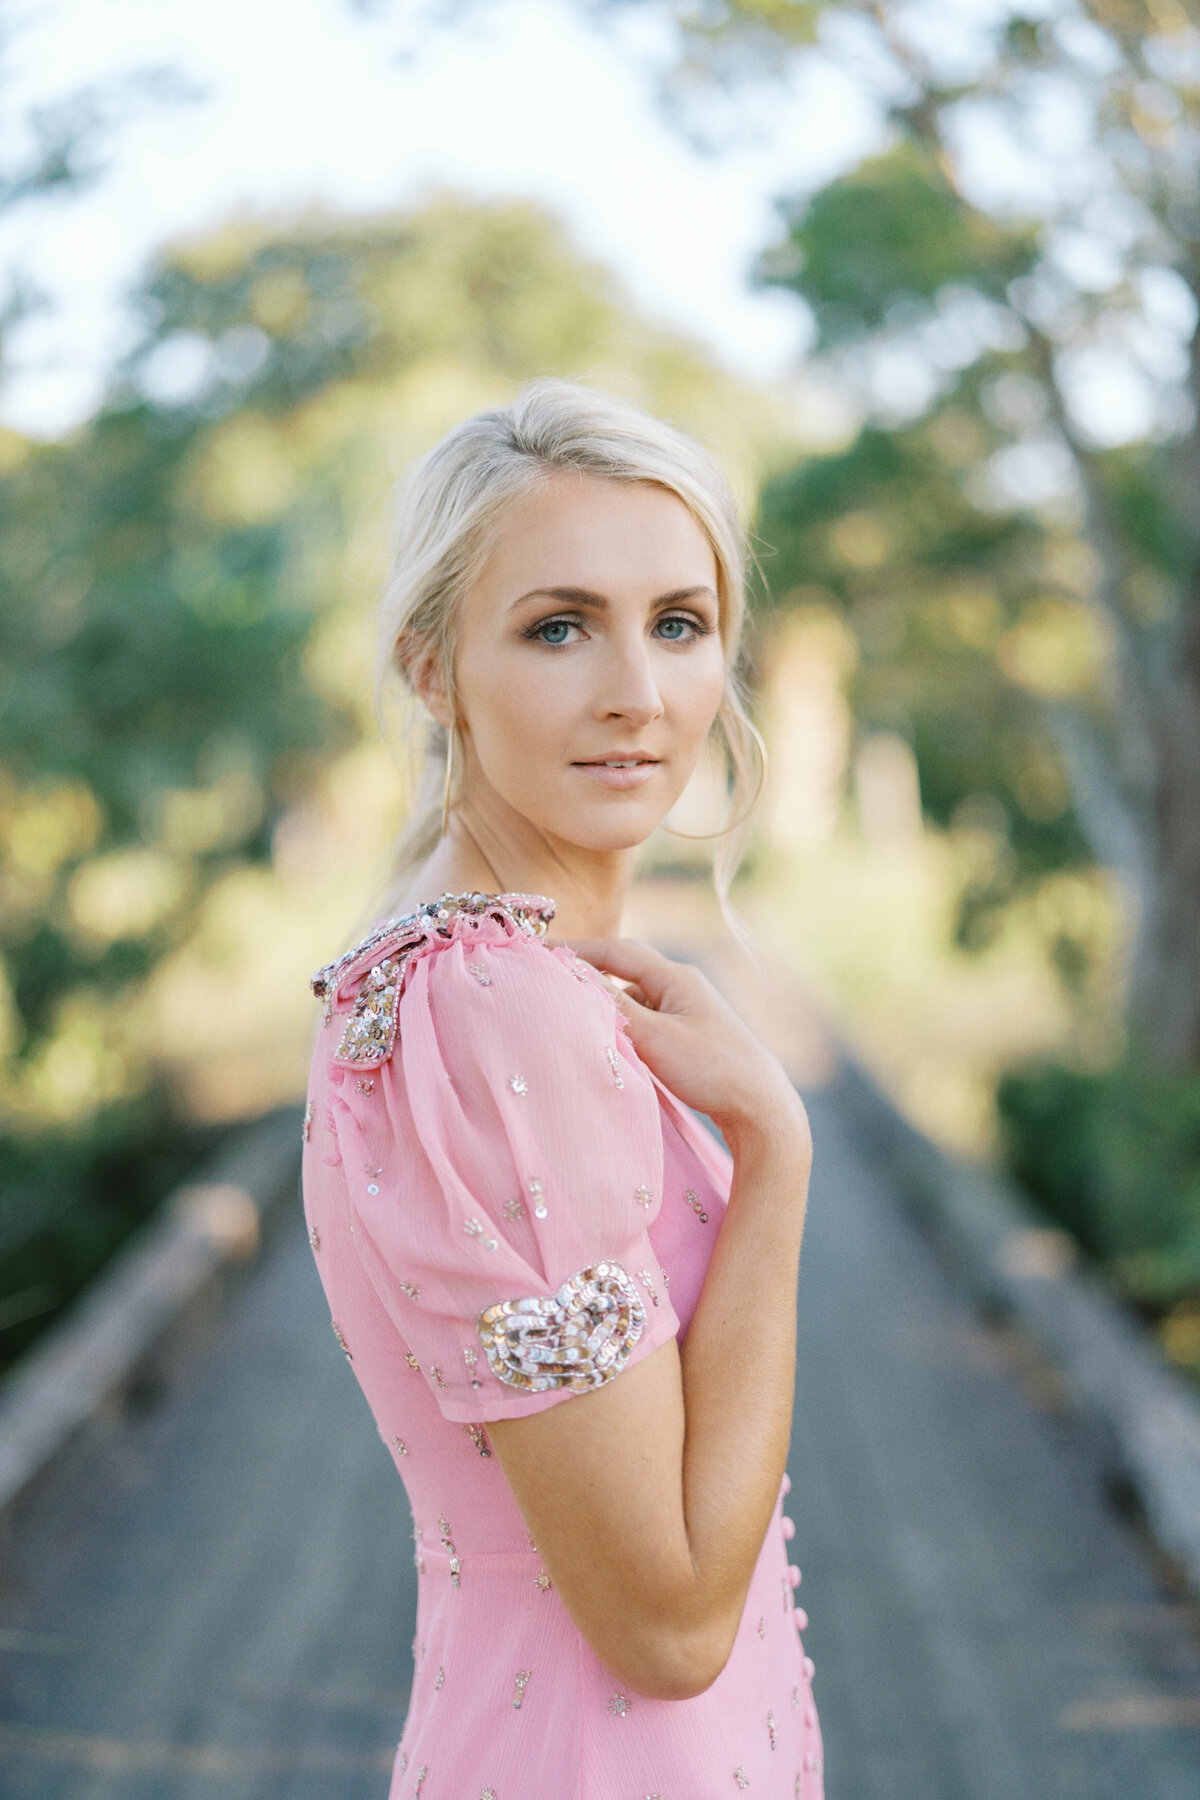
(629, 958)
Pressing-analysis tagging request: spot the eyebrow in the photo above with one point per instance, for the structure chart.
(585, 597)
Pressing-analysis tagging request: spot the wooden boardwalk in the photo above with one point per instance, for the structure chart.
(221, 1606)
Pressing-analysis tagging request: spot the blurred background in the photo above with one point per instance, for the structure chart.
(924, 275)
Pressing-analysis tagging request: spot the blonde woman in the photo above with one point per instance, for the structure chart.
(570, 1307)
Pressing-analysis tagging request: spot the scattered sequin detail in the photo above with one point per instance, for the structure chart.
(536, 1195)
(614, 1063)
(422, 1772)
(771, 1732)
(411, 1289)
(340, 1335)
(411, 1360)
(578, 1337)
(741, 1777)
(471, 1357)
(478, 1437)
(643, 1195)
(365, 1085)
(521, 1678)
(481, 973)
(488, 1794)
(693, 1200)
(647, 1281)
(542, 1582)
(418, 1534)
(314, 1237)
(514, 1209)
(403, 1761)
(435, 1375)
(619, 1705)
(474, 1229)
(399, 1446)
(306, 1128)
(441, 1679)
(452, 1553)
(762, 1628)
(518, 1084)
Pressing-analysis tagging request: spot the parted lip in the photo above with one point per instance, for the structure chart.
(619, 756)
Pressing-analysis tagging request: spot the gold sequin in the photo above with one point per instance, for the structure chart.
(518, 1084)
(418, 1534)
(340, 1335)
(399, 1446)
(474, 1229)
(314, 1237)
(619, 1705)
(411, 1360)
(693, 1200)
(368, 1034)
(542, 1582)
(452, 1553)
(795, 1696)
(578, 1337)
(522, 1679)
(488, 1794)
(478, 1437)
(643, 1195)
(306, 1127)
(614, 1063)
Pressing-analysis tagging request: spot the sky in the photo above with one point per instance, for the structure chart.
(317, 101)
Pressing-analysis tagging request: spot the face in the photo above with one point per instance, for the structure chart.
(591, 638)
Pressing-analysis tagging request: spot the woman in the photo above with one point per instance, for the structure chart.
(571, 1309)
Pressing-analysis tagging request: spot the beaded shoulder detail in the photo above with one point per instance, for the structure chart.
(381, 956)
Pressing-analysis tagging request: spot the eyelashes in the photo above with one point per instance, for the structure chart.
(697, 627)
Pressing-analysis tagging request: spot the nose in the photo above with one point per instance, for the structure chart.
(628, 688)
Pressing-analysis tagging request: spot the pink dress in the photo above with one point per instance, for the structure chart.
(507, 1208)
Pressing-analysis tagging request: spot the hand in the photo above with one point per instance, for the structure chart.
(691, 1038)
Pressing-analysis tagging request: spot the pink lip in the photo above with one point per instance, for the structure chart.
(617, 778)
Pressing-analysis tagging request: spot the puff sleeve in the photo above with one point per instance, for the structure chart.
(504, 1164)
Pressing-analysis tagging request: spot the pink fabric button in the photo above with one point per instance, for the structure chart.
(796, 1618)
(810, 1715)
(793, 1575)
(786, 1483)
(810, 1667)
(801, 1619)
(789, 1527)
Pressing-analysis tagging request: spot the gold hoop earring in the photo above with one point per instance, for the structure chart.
(450, 736)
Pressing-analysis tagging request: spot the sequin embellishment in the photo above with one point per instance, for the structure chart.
(614, 1063)
(478, 1437)
(306, 1127)
(412, 1362)
(693, 1200)
(418, 1534)
(647, 1280)
(314, 1237)
(619, 1705)
(518, 1084)
(474, 1229)
(340, 1335)
(771, 1733)
(521, 1679)
(578, 1337)
(399, 1446)
(365, 1085)
(451, 1552)
(535, 1190)
(435, 1374)
(441, 1680)
(411, 1289)
(471, 1357)
(741, 1777)
(542, 1582)
(643, 1195)
(514, 1209)
(481, 974)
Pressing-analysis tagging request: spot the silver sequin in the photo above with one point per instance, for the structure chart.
(619, 1705)
(614, 1063)
(578, 1337)
(522, 1679)
(643, 1195)
(537, 1196)
(474, 1229)
(518, 1084)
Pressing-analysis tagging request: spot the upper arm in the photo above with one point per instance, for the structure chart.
(516, 1147)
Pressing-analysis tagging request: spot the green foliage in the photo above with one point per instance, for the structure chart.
(1115, 1157)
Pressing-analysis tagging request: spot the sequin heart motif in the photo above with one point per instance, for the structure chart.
(578, 1337)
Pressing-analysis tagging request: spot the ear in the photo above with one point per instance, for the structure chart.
(423, 670)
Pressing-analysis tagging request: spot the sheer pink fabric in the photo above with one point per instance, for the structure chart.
(509, 1140)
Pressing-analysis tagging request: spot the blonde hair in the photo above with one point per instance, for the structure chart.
(450, 508)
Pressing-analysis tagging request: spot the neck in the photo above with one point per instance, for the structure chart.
(589, 886)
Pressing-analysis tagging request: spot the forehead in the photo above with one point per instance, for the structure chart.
(619, 537)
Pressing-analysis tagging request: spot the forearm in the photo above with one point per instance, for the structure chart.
(738, 1366)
